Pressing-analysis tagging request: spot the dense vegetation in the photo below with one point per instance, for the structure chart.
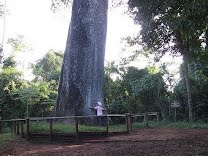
(178, 27)
(127, 89)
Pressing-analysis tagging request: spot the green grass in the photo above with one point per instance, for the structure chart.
(91, 128)
(67, 128)
(139, 125)
(187, 125)
(117, 128)
(5, 137)
(62, 127)
(57, 127)
(6, 130)
(153, 124)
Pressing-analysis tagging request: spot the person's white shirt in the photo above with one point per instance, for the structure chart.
(99, 110)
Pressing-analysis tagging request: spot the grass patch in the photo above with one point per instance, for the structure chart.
(91, 128)
(68, 128)
(117, 128)
(138, 125)
(151, 124)
(57, 127)
(5, 137)
(187, 125)
(63, 128)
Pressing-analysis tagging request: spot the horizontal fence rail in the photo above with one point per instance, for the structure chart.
(74, 125)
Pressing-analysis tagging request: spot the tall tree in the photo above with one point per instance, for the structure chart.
(82, 73)
(174, 26)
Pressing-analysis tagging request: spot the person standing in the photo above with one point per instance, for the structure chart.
(99, 111)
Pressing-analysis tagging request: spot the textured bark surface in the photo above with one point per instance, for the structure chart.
(188, 85)
(81, 79)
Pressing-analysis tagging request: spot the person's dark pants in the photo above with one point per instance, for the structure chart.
(101, 120)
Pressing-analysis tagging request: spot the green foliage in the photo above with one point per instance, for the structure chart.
(38, 97)
(176, 26)
(17, 95)
(187, 125)
(169, 25)
(20, 98)
(10, 80)
(9, 62)
(135, 90)
(17, 43)
(49, 68)
(199, 81)
(112, 88)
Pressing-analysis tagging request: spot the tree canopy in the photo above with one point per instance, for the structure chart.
(175, 26)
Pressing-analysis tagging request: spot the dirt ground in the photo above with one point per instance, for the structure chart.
(144, 142)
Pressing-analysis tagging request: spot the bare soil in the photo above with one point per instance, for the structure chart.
(144, 142)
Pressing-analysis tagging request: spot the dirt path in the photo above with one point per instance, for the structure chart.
(144, 142)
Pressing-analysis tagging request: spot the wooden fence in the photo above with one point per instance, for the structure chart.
(145, 116)
(21, 127)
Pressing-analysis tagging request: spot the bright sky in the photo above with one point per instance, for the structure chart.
(44, 30)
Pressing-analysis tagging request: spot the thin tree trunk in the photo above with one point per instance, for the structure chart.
(82, 73)
(188, 85)
(185, 54)
(206, 35)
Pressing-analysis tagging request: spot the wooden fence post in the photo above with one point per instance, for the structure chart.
(14, 126)
(0, 125)
(127, 122)
(158, 118)
(146, 119)
(28, 129)
(130, 122)
(17, 127)
(77, 130)
(22, 128)
(107, 125)
(51, 129)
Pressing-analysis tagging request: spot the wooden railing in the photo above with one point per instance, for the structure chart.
(145, 116)
(22, 126)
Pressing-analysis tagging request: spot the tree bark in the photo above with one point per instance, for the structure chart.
(184, 46)
(82, 74)
(188, 85)
(206, 35)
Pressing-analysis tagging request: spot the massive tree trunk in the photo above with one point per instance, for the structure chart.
(82, 73)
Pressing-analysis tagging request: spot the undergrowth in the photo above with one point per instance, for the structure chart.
(4, 138)
(187, 125)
